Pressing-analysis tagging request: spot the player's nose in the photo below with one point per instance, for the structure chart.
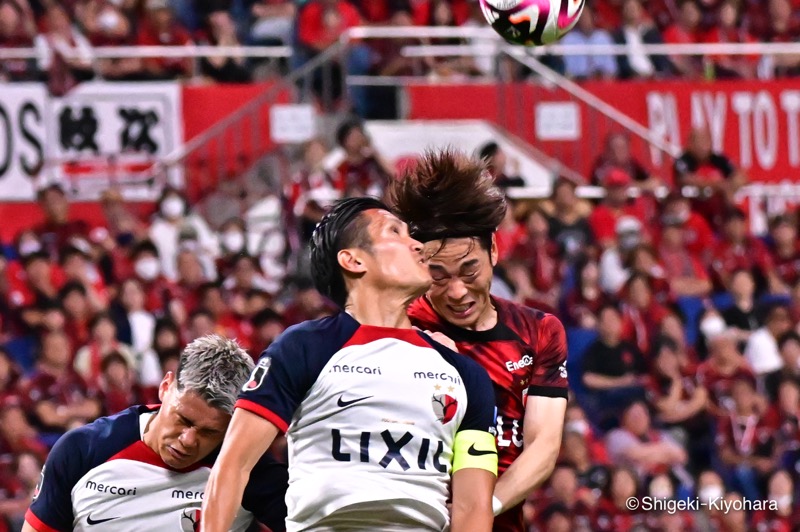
(188, 437)
(456, 289)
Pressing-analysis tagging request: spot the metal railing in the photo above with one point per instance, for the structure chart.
(210, 152)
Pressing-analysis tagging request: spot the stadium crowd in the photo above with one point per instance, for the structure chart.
(65, 32)
(683, 329)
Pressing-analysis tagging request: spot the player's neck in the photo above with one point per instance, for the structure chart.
(380, 309)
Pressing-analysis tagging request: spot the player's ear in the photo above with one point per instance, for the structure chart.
(493, 253)
(166, 382)
(351, 260)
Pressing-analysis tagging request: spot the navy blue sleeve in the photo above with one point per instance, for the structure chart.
(51, 508)
(265, 493)
(481, 407)
(289, 367)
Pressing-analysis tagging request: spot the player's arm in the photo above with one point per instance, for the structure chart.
(474, 455)
(266, 405)
(474, 475)
(51, 508)
(248, 437)
(544, 420)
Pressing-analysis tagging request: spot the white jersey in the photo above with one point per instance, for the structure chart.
(370, 416)
(104, 478)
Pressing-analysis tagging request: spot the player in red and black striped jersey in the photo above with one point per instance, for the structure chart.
(452, 206)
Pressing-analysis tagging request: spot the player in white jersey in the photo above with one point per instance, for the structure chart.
(145, 469)
(383, 423)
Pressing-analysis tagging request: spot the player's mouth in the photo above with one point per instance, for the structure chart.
(461, 311)
(176, 454)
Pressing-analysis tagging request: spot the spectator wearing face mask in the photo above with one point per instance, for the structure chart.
(780, 489)
(159, 291)
(172, 219)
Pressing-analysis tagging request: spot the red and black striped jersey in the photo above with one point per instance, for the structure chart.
(525, 353)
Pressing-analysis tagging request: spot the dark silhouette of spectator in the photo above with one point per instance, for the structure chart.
(496, 162)
(712, 173)
(637, 30)
(614, 371)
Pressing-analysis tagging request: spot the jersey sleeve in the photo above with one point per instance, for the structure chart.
(265, 493)
(279, 381)
(290, 366)
(481, 411)
(548, 376)
(51, 509)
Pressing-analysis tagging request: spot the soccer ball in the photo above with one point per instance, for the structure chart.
(532, 22)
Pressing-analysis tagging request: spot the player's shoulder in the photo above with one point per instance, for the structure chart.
(422, 314)
(329, 331)
(516, 314)
(468, 368)
(96, 442)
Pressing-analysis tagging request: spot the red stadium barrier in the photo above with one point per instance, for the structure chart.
(754, 122)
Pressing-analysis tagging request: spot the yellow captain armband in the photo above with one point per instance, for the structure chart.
(474, 449)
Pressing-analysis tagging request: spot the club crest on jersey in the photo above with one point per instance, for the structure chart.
(38, 489)
(190, 519)
(257, 376)
(444, 407)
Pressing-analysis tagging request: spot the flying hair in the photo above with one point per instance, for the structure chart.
(448, 195)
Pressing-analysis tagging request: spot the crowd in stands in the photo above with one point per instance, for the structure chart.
(64, 33)
(684, 329)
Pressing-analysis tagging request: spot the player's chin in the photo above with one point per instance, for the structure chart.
(177, 459)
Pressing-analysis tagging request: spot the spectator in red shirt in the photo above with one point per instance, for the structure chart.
(267, 325)
(105, 24)
(364, 172)
(119, 387)
(641, 313)
(789, 346)
(56, 396)
(320, 24)
(746, 439)
(784, 27)
(780, 488)
(638, 445)
(77, 266)
(57, 229)
(534, 266)
(788, 408)
(643, 261)
(16, 433)
(159, 292)
(306, 304)
(159, 28)
(740, 251)
(686, 275)
(612, 514)
(785, 253)
(564, 490)
(684, 30)
(617, 155)
(697, 234)
(679, 401)
(615, 205)
(78, 313)
(584, 302)
(712, 173)
(89, 358)
(17, 30)
(728, 29)
(725, 364)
